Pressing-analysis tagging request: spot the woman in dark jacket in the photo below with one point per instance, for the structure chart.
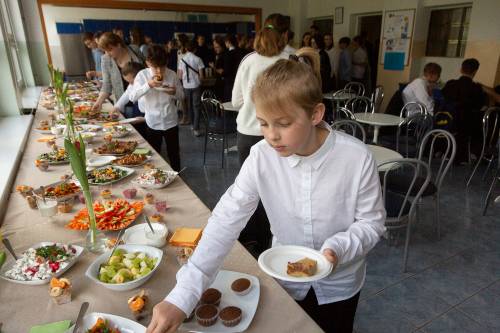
(218, 66)
(325, 68)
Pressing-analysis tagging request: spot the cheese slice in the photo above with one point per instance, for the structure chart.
(186, 237)
(303, 268)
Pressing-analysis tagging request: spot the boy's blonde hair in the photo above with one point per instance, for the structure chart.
(285, 82)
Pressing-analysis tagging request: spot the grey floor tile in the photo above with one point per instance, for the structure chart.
(484, 308)
(454, 322)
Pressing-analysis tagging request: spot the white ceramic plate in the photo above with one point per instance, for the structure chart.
(247, 304)
(128, 170)
(127, 121)
(137, 234)
(124, 325)
(61, 198)
(157, 186)
(93, 270)
(100, 161)
(274, 262)
(10, 263)
(88, 128)
(118, 134)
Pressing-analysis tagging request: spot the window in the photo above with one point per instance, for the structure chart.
(448, 30)
(6, 25)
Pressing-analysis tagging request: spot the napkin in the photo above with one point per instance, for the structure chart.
(57, 327)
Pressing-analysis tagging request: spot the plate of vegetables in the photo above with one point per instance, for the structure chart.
(155, 178)
(129, 267)
(97, 322)
(108, 174)
(38, 264)
(60, 191)
(118, 131)
(58, 156)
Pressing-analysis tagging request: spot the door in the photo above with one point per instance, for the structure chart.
(369, 27)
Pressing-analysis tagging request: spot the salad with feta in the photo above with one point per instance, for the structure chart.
(155, 178)
(41, 263)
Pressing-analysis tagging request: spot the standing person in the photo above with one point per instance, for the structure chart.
(318, 44)
(334, 56)
(171, 49)
(117, 55)
(343, 217)
(234, 55)
(289, 49)
(119, 32)
(137, 42)
(90, 42)
(159, 106)
(359, 61)
(306, 40)
(269, 45)
(191, 71)
(218, 66)
(314, 30)
(420, 89)
(202, 50)
(345, 62)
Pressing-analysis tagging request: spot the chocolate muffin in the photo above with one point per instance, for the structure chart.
(230, 316)
(206, 314)
(241, 287)
(211, 296)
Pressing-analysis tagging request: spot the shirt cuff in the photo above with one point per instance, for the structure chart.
(182, 298)
(335, 246)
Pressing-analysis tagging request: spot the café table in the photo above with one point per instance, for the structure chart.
(377, 120)
(338, 100)
(382, 155)
(25, 306)
(229, 107)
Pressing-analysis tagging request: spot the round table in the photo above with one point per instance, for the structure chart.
(339, 97)
(229, 107)
(377, 120)
(382, 154)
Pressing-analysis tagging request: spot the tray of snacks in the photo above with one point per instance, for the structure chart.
(129, 267)
(155, 178)
(84, 111)
(110, 215)
(88, 128)
(295, 263)
(61, 191)
(118, 131)
(108, 175)
(54, 157)
(97, 322)
(116, 148)
(132, 160)
(38, 264)
(229, 305)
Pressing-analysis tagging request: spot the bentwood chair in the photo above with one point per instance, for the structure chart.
(360, 104)
(377, 98)
(208, 94)
(218, 124)
(343, 113)
(356, 87)
(412, 108)
(491, 132)
(401, 206)
(350, 127)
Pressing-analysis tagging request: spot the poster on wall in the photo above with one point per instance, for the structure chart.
(396, 39)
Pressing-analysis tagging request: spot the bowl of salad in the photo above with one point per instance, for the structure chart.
(129, 267)
(108, 174)
(155, 178)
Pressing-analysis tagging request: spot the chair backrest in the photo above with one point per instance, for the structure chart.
(343, 113)
(357, 87)
(377, 98)
(208, 94)
(350, 127)
(446, 145)
(360, 104)
(410, 166)
(413, 128)
(412, 108)
(491, 127)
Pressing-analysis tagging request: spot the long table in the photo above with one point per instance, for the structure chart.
(24, 306)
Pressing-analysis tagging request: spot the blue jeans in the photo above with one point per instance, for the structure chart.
(193, 97)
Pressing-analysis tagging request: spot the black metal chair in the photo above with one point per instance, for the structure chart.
(342, 113)
(218, 124)
(350, 127)
(401, 206)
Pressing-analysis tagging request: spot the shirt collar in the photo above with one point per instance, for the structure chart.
(319, 156)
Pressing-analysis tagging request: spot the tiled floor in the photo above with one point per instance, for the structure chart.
(452, 285)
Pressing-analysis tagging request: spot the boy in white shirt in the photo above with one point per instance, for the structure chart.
(320, 189)
(157, 88)
(420, 89)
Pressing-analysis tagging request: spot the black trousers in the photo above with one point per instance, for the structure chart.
(337, 317)
(256, 236)
(171, 137)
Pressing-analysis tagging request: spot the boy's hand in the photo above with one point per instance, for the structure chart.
(331, 256)
(115, 110)
(90, 74)
(154, 83)
(170, 90)
(166, 318)
(97, 106)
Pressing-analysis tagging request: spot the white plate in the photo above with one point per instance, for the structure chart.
(10, 263)
(137, 234)
(100, 161)
(88, 128)
(41, 131)
(274, 262)
(93, 270)
(247, 304)
(124, 325)
(128, 170)
(61, 198)
(157, 186)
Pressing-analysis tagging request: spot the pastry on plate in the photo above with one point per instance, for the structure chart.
(305, 267)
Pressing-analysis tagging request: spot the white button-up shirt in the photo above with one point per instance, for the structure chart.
(418, 91)
(159, 108)
(330, 199)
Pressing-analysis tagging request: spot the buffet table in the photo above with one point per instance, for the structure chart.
(26, 306)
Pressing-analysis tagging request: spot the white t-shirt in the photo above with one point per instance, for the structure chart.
(289, 50)
(359, 56)
(250, 67)
(195, 62)
(334, 55)
(417, 91)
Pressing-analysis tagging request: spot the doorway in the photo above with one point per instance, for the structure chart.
(370, 27)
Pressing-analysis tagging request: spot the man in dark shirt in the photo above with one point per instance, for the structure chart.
(202, 50)
(465, 98)
(232, 60)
